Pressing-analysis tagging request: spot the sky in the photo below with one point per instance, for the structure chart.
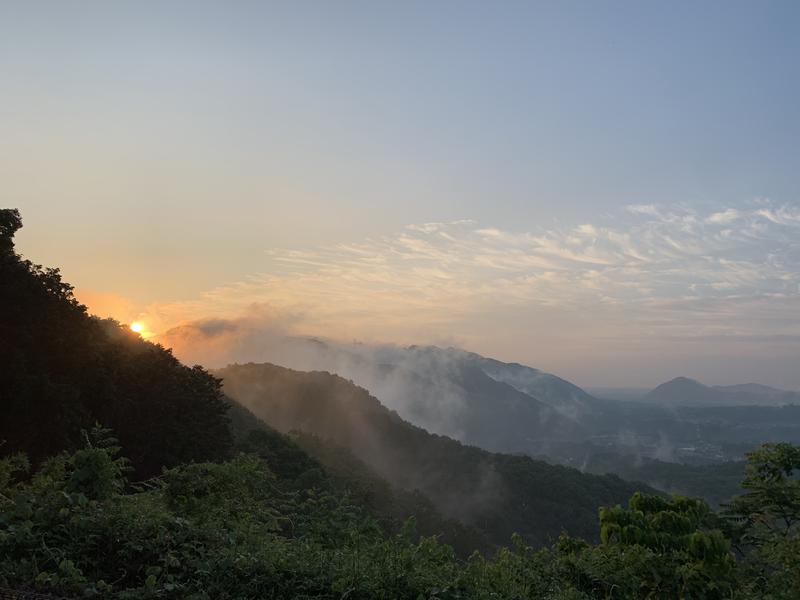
(604, 190)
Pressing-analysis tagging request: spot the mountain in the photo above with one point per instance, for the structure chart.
(451, 392)
(476, 400)
(683, 391)
(498, 494)
(565, 397)
(304, 461)
(509, 407)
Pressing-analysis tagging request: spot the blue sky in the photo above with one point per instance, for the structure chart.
(162, 152)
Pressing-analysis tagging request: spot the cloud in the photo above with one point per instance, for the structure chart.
(725, 216)
(257, 334)
(643, 209)
(783, 215)
(652, 271)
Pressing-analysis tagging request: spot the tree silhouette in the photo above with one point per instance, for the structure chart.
(63, 370)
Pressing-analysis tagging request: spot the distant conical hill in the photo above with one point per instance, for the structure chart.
(683, 391)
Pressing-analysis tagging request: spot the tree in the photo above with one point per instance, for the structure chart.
(10, 223)
(766, 520)
(692, 555)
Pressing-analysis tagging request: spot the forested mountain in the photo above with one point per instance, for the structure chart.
(479, 401)
(509, 407)
(683, 391)
(307, 461)
(63, 370)
(498, 494)
(565, 397)
(456, 397)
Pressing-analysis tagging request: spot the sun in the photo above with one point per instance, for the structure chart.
(137, 327)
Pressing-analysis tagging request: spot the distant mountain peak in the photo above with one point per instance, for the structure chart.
(683, 391)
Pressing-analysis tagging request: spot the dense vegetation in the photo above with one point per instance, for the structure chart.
(237, 530)
(199, 499)
(715, 483)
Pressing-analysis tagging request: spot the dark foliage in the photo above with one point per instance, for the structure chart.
(237, 531)
(63, 370)
(715, 483)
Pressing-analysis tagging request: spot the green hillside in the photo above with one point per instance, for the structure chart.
(306, 461)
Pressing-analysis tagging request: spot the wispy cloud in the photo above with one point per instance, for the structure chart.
(651, 271)
(725, 216)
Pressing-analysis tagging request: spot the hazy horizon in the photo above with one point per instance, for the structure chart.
(607, 193)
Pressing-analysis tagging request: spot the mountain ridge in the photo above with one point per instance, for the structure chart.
(684, 391)
(453, 392)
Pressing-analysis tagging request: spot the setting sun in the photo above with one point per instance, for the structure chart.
(137, 327)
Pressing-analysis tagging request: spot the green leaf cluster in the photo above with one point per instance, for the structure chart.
(235, 530)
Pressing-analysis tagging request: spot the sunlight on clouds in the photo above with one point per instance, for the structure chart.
(658, 272)
(725, 216)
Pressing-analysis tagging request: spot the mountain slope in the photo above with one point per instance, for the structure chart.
(461, 400)
(565, 397)
(497, 493)
(304, 461)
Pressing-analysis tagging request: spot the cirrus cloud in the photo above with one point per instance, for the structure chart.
(652, 272)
